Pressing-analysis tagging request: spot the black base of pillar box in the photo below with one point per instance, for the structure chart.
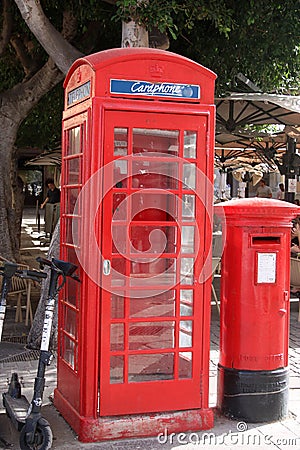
(253, 396)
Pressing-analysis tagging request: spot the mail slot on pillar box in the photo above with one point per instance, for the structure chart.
(136, 207)
(254, 329)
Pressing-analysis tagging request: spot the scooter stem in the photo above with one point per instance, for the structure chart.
(49, 311)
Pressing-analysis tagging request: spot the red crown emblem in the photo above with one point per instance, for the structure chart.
(156, 71)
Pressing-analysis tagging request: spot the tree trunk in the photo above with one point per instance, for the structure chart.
(9, 123)
(15, 106)
(134, 35)
(18, 198)
(7, 223)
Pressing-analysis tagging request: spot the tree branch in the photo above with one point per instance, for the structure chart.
(69, 29)
(17, 102)
(29, 65)
(62, 53)
(7, 26)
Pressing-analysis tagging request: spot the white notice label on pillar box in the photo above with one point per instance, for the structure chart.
(266, 267)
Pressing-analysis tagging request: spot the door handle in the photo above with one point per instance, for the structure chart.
(106, 267)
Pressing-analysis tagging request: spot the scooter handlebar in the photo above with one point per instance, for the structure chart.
(11, 269)
(44, 262)
(66, 269)
(33, 274)
(75, 277)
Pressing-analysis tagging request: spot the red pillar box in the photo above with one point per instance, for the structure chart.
(138, 151)
(255, 281)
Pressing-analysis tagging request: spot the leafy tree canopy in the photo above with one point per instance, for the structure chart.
(256, 37)
(263, 44)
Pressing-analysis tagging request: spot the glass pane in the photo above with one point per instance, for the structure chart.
(72, 195)
(119, 239)
(156, 174)
(117, 306)
(153, 239)
(187, 271)
(189, 176)
(151, 335)
(70, 321)
(185, 333)
(190, 144)
(118, 271)
(186, 302)
(187, 239)
(74, 141)
(73, 170)
(154, 140)
(71, 292)
(150, 367)
(188, 207)
(117, 336)
(116, 369)
(154, 206)
(120, 173)
(156, 306)
(119, 207)
(120, 141)
(73, 230)
(160, 271)
(185, 365)
(72, 257)
(68, 352)
(71, 226)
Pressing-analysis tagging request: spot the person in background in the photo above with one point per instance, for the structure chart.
(53, 193)
(263, 191)
(280, 192)
(295, 237)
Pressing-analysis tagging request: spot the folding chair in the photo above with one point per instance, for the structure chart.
(19, 287)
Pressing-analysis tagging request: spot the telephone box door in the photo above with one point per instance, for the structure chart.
(152, 240)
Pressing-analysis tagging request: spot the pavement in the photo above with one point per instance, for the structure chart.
(226, 434)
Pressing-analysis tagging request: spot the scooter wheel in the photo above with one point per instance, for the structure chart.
(42, 439)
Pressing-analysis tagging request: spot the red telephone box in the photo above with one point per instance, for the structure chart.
(136, 207)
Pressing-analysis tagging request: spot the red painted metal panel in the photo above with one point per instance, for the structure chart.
(160, 425)
(82, 395)
(254, 290)
(72, 387)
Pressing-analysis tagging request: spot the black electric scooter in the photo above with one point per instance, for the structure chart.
(26, 417)
(7, 271)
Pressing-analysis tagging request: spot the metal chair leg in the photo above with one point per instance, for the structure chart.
(215, 298)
